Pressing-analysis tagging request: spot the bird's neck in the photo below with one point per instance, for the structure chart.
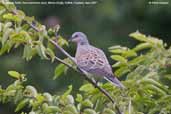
(81, 49)
(81, 46)
(83, 43)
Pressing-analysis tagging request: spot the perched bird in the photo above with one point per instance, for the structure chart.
(93, 60)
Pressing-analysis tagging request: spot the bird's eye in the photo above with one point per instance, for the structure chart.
(76, 36)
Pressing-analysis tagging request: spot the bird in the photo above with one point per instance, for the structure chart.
(93, 60)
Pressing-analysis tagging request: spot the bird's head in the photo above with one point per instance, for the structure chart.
(79, 38)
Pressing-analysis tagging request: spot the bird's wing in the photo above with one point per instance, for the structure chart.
(93, 60)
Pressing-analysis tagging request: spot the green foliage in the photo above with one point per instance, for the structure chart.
(144, 68)
(146, 74)
(15, 32)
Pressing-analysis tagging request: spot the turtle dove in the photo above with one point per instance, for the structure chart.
(93, 60)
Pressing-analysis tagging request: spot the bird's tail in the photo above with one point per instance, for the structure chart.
(114, 81)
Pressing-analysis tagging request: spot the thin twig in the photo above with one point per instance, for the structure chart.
(32, 26)
(63, 51)
(63, 62)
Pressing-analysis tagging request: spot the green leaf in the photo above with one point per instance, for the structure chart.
(6, 35)
(21, 105)
(32, 112)
(51, 32)
(20, 14)
(59, 70)
(154, 82)
(71, 108)
(41, 50)
(118, 47)
(52, 109)
(10, 7)
(142, 46)
(21, 37)
(7, 25)
(14, 74)
(29, 52)
(2, 11)
(1, 26)
(6, 47)
(67, 112)
(66, 99)
(51, 54)
(87, 103)
(89, 111)
(118, 64)
(116, 51)
(121, 71)
(119, 58)
(68, 91)
(124, 51)
(87, 88)
(10, 92)
(29, 19)
(139, 36)
(10, 16)
(108, 111)
(129, 53)
(62, 41)
(136, 60)
(79, 98)
(156, 89)
(69, 99)
(48, 97)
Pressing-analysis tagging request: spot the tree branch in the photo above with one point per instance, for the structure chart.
(84, 75)
(63, 51)
(81, 71)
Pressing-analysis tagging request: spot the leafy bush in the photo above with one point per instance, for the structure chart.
(145, 70)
